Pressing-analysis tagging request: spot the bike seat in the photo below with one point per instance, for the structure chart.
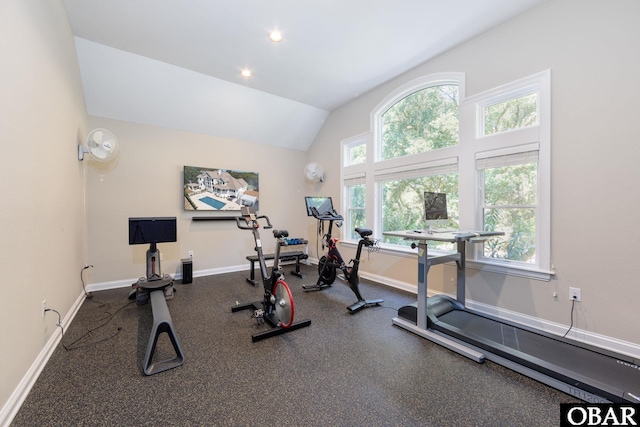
(280, 233)
(363, 232)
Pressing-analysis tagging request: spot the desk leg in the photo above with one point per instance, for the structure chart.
(423, 271)
(420, 328)
(461, 283)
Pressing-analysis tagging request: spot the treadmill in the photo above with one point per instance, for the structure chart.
(584, 371)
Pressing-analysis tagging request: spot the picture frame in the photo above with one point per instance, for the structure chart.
(218, 189)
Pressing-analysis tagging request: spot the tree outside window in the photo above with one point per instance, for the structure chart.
(423, 121)
(356, 217)
(510, 203)
(403, 204)
(515, 113)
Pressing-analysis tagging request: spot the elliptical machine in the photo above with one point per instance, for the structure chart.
(328, 264)
(276, 307)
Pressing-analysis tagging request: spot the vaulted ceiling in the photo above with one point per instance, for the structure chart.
(177, 64)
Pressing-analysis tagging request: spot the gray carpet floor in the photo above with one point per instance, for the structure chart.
(343, 370)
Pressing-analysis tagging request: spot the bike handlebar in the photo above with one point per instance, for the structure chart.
(251, 223)
(326, 216)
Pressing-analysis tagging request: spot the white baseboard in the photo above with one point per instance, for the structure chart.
(13, 404)
(404, 286)
(591, 338)
(125, 283)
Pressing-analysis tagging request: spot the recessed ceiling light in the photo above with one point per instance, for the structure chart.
(275, 36)
(246, 73)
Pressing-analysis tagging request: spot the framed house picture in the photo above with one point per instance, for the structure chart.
(211, 189)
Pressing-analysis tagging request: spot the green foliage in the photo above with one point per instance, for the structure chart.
(357, 154)
(425, 120)
(510, 198)
(357, 213)
(357, 218)
(357, 195)
(403, 203)
(191, 173)
(512, 114)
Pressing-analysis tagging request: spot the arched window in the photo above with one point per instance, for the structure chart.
(421, 121)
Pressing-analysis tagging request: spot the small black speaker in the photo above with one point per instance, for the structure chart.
(187, 271)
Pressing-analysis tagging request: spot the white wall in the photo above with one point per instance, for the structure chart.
(591, 48)
(42, 118)
(147, 180)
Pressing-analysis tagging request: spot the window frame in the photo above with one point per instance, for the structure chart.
(416, 85)
(510, 142)
(352, 174)
(408, 166)
(499, 98)
(348, 145)
(472, 144)
(349, 208)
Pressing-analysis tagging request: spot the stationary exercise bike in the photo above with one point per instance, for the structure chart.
(276, 307)
(328, 264)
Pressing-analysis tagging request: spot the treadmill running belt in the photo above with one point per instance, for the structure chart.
(599, 367)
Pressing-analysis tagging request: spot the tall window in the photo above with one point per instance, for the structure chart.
(512, 158)
(356, 208)
(386, 173)
(354, 158)
(417, 127)
(509, 202)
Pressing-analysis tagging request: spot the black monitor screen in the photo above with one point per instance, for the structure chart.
(322, 204)
(435, 206)
(152, 230)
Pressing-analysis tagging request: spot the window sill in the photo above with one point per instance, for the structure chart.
(518, 271)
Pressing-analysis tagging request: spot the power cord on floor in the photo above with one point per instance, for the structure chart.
(59, 324)
(109, 318)
(386, 307)
(86, 294)
(573, 304)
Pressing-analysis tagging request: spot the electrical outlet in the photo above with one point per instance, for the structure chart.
(44, 306)
(575, 294)
(190, 254)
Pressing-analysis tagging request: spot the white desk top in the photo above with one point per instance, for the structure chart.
(469, 235)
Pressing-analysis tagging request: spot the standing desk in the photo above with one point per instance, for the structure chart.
(424, 263)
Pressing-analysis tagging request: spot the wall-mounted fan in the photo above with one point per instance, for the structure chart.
(314, 172)
(102, 145)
